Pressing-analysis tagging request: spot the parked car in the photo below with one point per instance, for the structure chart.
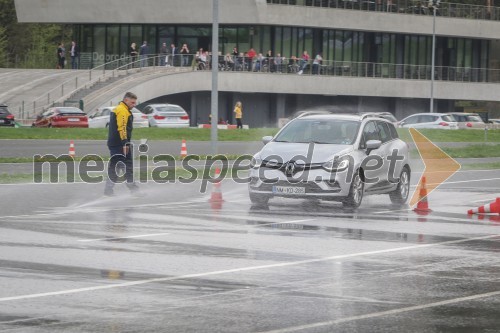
(100, 118)
(166, 115)
(6, 118)
(62, 117)
(335, 170)
(494, 123)
(468, 120)
(429, 120)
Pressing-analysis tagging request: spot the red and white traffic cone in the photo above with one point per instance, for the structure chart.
(423, 205)
(183, 149)
(216, 197)
(72, 149)
(493, 207)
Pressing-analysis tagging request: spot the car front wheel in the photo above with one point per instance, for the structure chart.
(353, 200)
(401, 193)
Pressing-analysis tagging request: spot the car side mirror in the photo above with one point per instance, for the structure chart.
(372, 145)
(266, 139)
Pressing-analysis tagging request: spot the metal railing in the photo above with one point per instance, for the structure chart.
(278, 66)
(356, 69)
(101, 73)
(412, 7)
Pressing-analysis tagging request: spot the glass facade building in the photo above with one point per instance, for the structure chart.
(101, 43)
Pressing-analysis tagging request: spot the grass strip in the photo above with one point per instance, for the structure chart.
(191, 134)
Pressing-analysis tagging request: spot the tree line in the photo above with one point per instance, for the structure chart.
(29, 45)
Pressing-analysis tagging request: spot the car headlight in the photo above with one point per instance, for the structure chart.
(256, 162)
(336, 164)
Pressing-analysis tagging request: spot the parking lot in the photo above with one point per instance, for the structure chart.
(173, 261)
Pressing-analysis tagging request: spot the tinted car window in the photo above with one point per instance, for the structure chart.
(411, 120)
(475, 119)
(170, 108)
(447, 118)
(394, 132)
(370, 132)
(69, 110)
(385, 134)
(3, 110)
(427, 119)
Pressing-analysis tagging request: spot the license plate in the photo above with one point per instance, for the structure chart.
(73, 119)
(289, 190)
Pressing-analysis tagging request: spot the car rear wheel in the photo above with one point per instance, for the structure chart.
(401, 193)
(258, 199)
(353, 200)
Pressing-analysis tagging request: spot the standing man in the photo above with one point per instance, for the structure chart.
(120, 148)
(173, 53)
(75, 53)
(163, 54)
(61, 55)
(143, 52)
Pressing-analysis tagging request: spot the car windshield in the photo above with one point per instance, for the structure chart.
(322, 131)
(170, 108)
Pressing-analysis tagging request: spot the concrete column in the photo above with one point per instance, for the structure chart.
(280, 107)
(194, 111)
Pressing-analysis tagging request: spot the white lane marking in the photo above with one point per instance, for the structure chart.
(238, 270)
(124, 237)
(248, 217)
(386, 313)
(485, 200)
(71, 209)
(393, 211)
(466, 181)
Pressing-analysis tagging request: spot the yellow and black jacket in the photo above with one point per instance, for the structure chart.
(120, 126)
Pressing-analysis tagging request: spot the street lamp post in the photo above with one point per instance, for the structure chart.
(434, 8)
(214, 110)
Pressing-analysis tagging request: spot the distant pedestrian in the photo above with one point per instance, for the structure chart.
(317, 63)
(119, 144)
(75, 54)
(133, 53)
(163, 54)
(173, 53)
(238, 114)
(61, 56)
(144, 52)
(184, 55)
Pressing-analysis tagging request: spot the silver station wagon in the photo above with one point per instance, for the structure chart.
(332, 157)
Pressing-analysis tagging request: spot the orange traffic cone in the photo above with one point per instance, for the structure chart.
(72, 149)
(216, 197)
(183, 149)
(422, 205)
(493, 207)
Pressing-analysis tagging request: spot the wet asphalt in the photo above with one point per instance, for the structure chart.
(172, 261)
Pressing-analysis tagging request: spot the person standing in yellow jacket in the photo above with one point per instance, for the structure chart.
(119, 136)
(238, 114)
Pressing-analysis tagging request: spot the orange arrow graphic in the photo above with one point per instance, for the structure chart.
(438, 166)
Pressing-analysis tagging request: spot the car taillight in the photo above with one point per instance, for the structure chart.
(158, 117)
(443, 124)
(144, 117)
(469, 125)
(185, 117)
(10, 117)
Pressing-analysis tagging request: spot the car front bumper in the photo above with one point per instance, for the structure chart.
(314, 183)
